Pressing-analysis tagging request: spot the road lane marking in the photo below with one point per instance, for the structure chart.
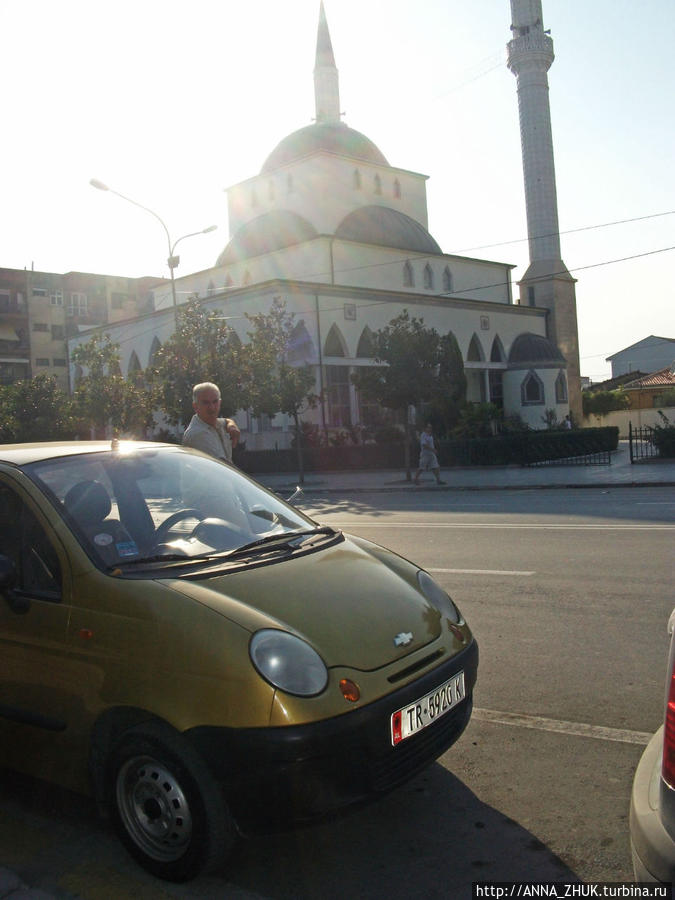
(578, 729)
(551, 527)
(480, 572)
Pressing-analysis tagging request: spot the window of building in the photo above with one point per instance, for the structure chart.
(428, 277)
(39, 292)
(532, 390)
(497, 351)
(408, 275)
(59, 361)
(561, 388)
(300, 345)
(337, 393)
(58, 333)
(378, 184)
(40, 326)
(77, 304)
(475, 353)
(56, 298)
(447, 281)
(117, 300)
(335, 343)
(366, 346)
(42, 361)
(357, 180)
(397, 189)
(530, 296)
(496, 385)
(155, 347)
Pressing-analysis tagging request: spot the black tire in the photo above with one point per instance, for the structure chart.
(166, 806)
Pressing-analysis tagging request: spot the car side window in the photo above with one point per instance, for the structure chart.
(25, 542)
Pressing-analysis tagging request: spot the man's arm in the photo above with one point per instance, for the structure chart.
(233, 430)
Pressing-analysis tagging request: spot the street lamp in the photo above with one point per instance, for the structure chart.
(173, 260)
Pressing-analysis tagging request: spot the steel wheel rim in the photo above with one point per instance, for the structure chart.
(153, 808)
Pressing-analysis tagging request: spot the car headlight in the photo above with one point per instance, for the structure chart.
(438, 597)
(288, 662)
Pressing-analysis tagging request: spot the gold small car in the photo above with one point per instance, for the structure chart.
(203, 658)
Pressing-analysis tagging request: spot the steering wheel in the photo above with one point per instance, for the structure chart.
(162, 531)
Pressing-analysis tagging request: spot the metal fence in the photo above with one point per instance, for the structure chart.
(641, 443)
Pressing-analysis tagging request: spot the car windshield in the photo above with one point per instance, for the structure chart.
(132, 506)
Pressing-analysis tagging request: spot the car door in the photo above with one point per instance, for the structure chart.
(39, 694)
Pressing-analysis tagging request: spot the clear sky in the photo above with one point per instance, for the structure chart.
(171, 101)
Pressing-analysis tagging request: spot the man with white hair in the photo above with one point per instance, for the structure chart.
(206, 431)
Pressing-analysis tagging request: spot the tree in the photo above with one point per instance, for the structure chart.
(599, 403)
(421, 368)
(204, 348)
(35, 410)
(445, 408)
(274, 384)
(103, 397)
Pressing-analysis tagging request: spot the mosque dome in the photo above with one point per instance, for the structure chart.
(271, 231)
(386, 227)
(534, 351)
(333, 137)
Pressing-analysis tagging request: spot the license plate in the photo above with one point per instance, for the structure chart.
(425, 711)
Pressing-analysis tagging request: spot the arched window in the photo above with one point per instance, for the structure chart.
(532, 390)
(134, 364)
(300, 344)
(155, 347)
(335, 343)
(378, 184)
(397, 189)
(475, 353)
(366, 346)
(211, 289)
(497, 351)
(428, 277)
(408, 275)
(447, 281)
(357, 180)
(561, 388)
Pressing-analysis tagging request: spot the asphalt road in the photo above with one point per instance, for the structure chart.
(568, 593)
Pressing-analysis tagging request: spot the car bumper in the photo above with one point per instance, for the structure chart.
(652, 848)
(293, 774)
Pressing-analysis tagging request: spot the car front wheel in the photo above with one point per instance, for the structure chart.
(167, 809)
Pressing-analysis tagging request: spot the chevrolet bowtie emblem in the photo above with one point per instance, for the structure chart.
(403, 639)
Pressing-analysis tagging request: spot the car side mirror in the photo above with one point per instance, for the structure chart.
(17, 604)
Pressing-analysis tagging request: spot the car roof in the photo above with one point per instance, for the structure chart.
(22, 454)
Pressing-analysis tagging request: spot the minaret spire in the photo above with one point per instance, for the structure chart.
(326, 82)
(546, 282)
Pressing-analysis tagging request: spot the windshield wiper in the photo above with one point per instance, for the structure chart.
(285, 539)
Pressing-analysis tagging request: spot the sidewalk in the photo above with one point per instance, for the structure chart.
(620, 473)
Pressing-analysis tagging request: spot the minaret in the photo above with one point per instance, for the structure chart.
(326, 82)
(546, 282)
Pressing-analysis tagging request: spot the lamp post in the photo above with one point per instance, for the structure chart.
(172, 260)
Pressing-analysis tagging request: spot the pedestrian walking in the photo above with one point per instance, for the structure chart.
(428, 458)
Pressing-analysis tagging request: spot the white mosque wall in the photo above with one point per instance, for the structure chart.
(324, 189)
(533, 414)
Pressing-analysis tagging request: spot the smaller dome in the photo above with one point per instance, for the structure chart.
(271, 231)
(386, 227)
(534, 351)
(333, 137)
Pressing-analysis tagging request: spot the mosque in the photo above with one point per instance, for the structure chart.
(341, 237)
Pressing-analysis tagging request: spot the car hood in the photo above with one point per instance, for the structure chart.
(359, 605)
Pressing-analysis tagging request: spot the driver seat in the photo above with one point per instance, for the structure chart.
(88, 502)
